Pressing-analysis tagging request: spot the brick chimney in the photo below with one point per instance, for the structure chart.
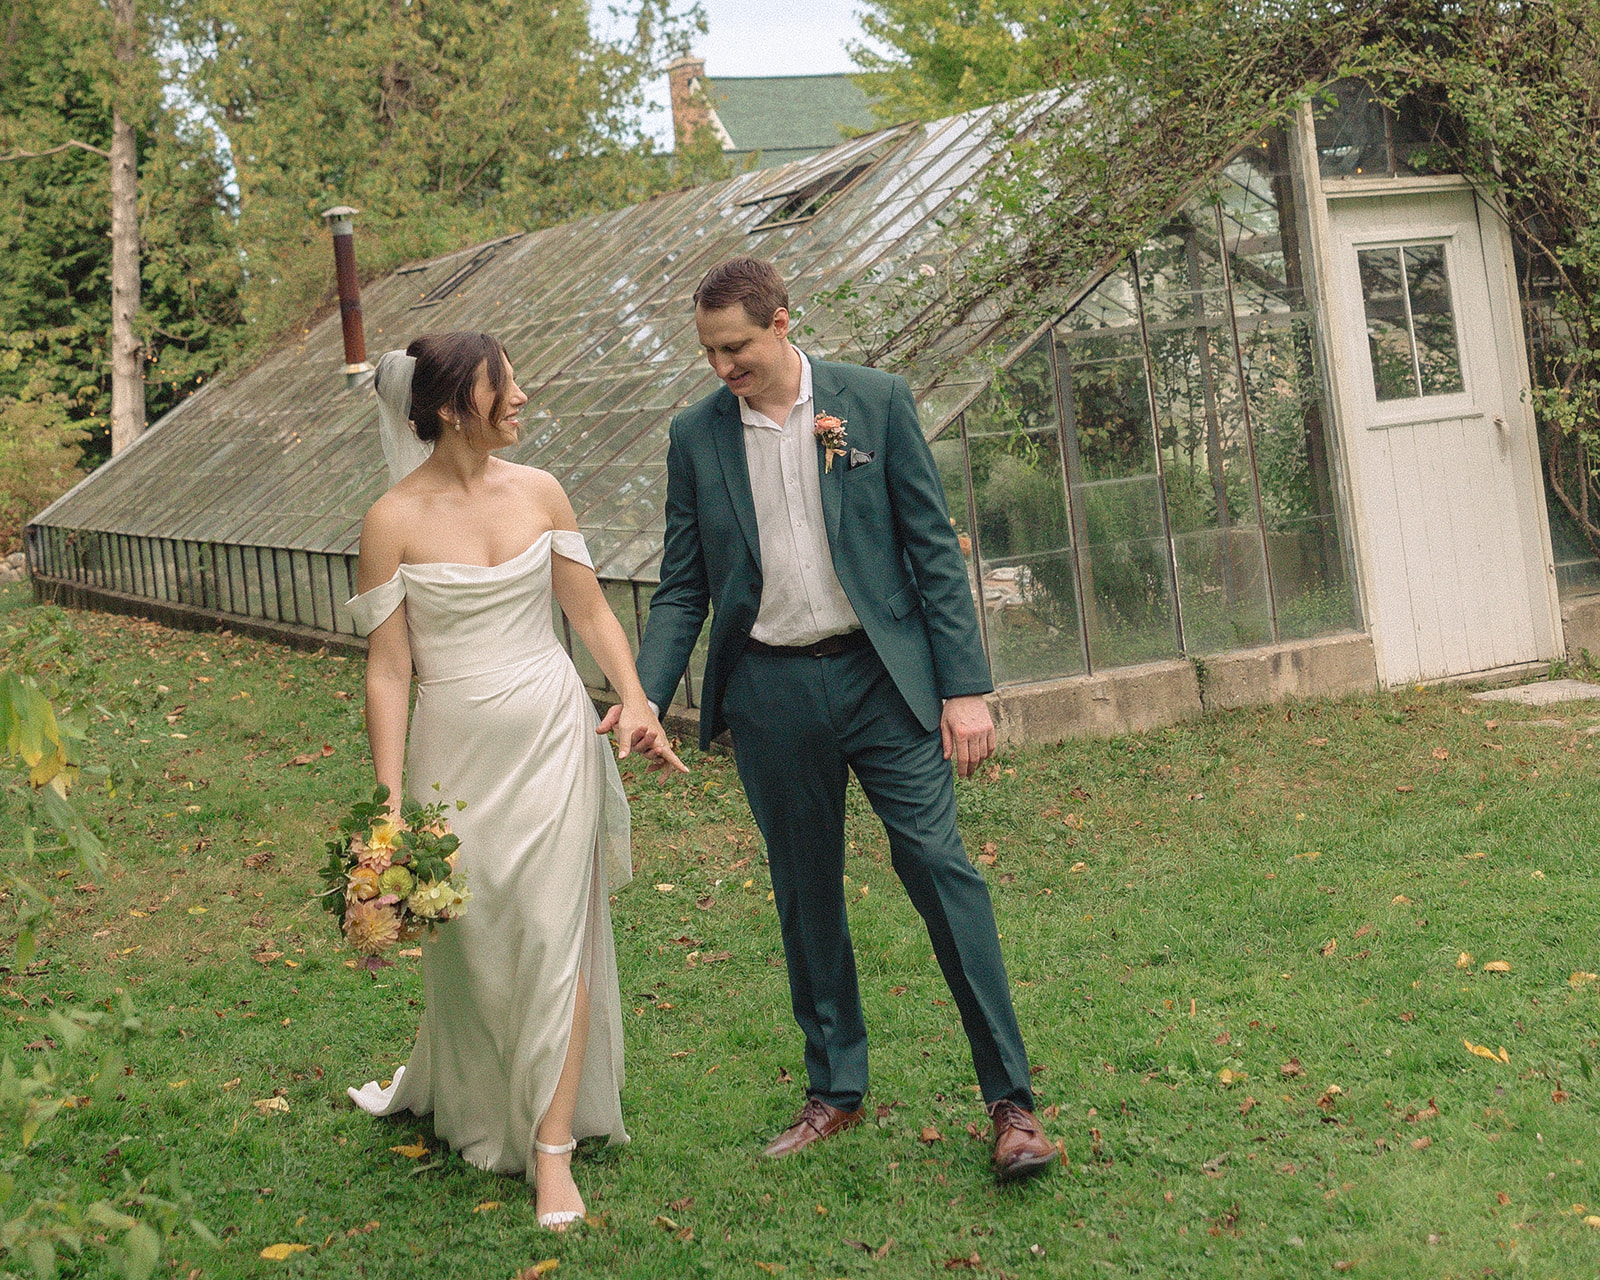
(690, 111)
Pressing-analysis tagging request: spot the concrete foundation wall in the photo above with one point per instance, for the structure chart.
(1580, 620)
(1328, 667)
(1123, 700)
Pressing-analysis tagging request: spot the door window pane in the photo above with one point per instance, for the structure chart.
(1438, 361)
(1411, 329)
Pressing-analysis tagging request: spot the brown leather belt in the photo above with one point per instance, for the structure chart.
(844, 642)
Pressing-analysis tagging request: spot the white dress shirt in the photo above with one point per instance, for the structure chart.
(801, 599)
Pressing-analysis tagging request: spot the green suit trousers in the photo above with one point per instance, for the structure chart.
(799, 725)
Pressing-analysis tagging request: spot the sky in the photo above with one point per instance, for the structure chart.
(759, 38)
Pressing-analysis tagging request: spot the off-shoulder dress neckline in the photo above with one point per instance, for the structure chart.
(463, 564)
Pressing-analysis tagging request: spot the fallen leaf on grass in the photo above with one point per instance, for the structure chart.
(1247, 1106)
(1078, 866)
(1473, 857)
(1316, 742)
(1558, 1096)
(1421, 1144)
(1483, 1051)
(1363, 931)
(1502, 1197)
(411, 953)
(665, 1223)
(1429, 1112)
(1464, 960)
(259, 859)
(682, 1206)
(1593, 1220)
(988, 859)
(1400, 900)
(930, 1134)
(1497, 966)
(230, 1084)
(1439, 753)
(486, 1206)
(1346, 1264)
(279, 1252)
(1580, 977)
(879, 1254)
(411, 1151)
(665, 888)
(1224, 1038)
(365, 1229)
(1326, 1101)
(1291, 1068)
(1329, 947)
(266, 1106)
(771, 1268)
(971, 1262)
(538, 1269)
(1229, 1076)
(1405, 790)
(267, 957)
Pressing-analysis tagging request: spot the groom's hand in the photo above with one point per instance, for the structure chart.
(967, 731)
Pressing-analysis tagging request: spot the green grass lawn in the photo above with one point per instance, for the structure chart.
(1248, 954)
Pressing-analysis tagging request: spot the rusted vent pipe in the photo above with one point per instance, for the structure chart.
(356, 368)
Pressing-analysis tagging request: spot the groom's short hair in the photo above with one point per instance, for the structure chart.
(754, 283)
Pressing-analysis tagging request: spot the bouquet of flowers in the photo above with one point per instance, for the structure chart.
(389, 878)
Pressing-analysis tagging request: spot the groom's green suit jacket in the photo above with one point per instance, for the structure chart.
(894, 550)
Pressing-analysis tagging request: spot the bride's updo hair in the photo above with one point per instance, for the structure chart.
(447, 375)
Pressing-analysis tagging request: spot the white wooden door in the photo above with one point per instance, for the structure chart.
(1448, 502)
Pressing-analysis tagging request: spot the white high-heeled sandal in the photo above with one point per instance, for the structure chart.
(560, 1217)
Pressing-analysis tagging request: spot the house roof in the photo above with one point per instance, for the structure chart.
(787, 117)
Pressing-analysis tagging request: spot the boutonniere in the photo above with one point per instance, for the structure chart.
(830, 430)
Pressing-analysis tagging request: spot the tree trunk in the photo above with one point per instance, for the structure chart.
(127, 352)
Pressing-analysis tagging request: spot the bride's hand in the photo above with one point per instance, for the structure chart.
(638, 729)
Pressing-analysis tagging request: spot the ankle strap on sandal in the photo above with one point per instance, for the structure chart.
(555, 1149)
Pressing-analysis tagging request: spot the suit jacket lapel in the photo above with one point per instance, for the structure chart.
(826, 391)
(736, 469)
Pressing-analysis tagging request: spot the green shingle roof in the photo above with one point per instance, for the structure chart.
(785, 117)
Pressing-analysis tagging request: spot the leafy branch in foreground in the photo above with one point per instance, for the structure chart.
(43, 744)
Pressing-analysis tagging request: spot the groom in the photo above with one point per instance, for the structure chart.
(804, 507)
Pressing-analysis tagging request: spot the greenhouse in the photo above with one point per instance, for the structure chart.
(1293, 412)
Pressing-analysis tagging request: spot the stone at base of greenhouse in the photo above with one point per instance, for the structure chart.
(1153, 694)
(14, 568)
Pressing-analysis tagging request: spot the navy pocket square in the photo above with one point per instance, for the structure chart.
(859, 458)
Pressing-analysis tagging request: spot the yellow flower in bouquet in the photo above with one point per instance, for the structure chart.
(438, 899)
(376, 848)
(362, 885)
(371, 928)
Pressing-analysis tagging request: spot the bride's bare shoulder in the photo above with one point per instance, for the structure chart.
(545, 491)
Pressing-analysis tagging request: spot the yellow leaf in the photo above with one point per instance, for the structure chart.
(176, 1084)
(1593, 1220)
(486, 1206)
(665, 1223)
(1497, 966)
(1483, 1051)
(415, 1151)
(197, 911)
(1330, 946)
(266, 1106)
(1464, 960)
(1314, 853)
(1229, 1076)
(1400, 900)
(1579, 978)
(665, 888)
(538, 1269)
(279, 1252)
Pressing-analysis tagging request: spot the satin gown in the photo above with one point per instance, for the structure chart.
(502, 722)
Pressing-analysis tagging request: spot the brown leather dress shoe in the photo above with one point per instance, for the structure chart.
(815, 1121)
(1020, 1147)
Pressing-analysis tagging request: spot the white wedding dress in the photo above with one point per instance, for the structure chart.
(503, 723)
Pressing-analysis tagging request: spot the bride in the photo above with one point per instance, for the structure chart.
(520, 1049)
